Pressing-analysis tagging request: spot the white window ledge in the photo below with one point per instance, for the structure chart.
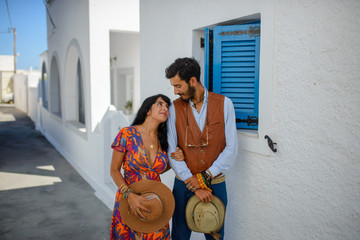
(55, 116)
(77, 127)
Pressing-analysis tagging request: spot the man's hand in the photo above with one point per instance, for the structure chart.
(204, 195)
(192, 184)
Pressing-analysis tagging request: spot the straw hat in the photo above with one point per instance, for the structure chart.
(205, 217)
(160, 201)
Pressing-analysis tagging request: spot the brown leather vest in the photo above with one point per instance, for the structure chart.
(200, 155)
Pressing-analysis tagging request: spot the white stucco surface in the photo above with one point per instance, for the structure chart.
(316, 112)
(20, 92)
(125, 54)
(115, 15)
(6, 63)
(309, 188)
(82, 31)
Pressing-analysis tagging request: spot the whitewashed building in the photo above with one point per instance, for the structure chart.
(6, 78)
(301, 70)
(308, 103)
(26, 92)
(90, 70)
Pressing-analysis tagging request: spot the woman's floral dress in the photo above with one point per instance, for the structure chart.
(136, 166)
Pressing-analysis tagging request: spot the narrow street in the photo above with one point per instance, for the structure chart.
(41, 194)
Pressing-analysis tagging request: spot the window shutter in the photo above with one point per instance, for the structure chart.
(208, 48)
(236, 52)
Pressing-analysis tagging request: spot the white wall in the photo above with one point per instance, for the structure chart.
(6, 63)
(26, 93)
(20, 92)
(33, 80)
(125, 46)
(316, 112)
(111, 15)
(6, 73)
(309, 188)
(86, 26)
(104, 17)
(71, 19)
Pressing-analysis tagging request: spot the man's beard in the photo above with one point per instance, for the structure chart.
(190, 92)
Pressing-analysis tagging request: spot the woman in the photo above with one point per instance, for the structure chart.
(141, 150)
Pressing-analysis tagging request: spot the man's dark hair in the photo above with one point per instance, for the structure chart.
(142, 113)
(186, 68)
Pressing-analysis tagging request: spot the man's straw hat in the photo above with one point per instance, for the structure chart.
(205, 217)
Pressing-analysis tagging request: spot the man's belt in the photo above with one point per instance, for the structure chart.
(216, 180)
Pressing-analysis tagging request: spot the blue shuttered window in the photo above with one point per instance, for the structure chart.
(235, 61)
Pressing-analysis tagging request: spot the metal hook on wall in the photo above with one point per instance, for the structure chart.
(270, 143)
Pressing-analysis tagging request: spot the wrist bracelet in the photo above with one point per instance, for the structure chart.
(209, 173)
(201, 182)
(207, 178)
(127, 193)
(123, 187)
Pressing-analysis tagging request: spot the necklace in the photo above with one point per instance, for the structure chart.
(146, 135)
(153, 145)
(194, 104)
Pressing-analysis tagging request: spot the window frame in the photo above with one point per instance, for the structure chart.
(252, 141)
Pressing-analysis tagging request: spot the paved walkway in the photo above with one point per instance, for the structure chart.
(41, 195)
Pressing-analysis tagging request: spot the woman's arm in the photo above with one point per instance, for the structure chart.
(178, 156)
(115, 168)
(133, 199)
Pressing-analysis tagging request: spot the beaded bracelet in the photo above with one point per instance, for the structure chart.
(204, 180)
(201, 182)
(209, 173)
(127, 193)
(207, 178)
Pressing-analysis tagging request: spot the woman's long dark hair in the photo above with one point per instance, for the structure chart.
(142, 113)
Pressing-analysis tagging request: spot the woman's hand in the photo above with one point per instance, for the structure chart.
(178, 155)
(135, 205)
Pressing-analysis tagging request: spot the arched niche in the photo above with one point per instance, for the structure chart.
(44, 86)
(74, 85)
(55, 89)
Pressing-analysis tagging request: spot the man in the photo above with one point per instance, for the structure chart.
(203, 125)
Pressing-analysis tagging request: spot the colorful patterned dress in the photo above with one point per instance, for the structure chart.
(136, 166)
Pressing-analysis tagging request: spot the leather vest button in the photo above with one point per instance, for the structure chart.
(202, 161)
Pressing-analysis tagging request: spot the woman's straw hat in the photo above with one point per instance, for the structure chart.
(159, 200)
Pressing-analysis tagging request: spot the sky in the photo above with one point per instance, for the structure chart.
(29, 19)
